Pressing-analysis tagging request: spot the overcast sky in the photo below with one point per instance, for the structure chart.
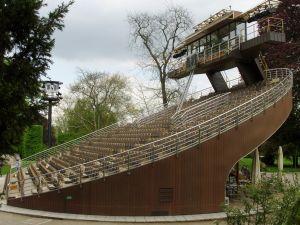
(96, 34)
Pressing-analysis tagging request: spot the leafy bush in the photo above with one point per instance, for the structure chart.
(272, 201)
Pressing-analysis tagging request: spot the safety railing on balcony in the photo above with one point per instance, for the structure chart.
(165, 147)
(270, 24)
(219, 50)
(255, 29)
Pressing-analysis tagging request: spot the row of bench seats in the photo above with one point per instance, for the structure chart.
(62, 169)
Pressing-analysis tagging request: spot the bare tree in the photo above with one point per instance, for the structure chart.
(155, 37)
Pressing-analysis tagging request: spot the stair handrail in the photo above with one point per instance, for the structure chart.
(176, 116)
(187, 138)
(205, 105)
(161, 111)
(185, 92)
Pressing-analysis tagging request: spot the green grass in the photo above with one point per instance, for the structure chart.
(5, 169)
(247, 162)
(287, 166)
(274, 169)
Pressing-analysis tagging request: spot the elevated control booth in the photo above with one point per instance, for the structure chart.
(229, 39)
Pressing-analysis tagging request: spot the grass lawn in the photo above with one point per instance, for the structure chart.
(5, 169)
(287, 166)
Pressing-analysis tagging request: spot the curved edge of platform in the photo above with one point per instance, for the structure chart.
(124, 219)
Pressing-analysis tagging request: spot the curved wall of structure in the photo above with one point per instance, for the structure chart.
(190, 183)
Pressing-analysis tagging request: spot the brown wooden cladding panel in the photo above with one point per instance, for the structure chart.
(197, 177)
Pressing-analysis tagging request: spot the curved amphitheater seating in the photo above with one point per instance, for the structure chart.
(127, 147)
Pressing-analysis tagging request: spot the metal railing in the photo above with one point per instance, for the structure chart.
(219, 50)
(185, 92)
(201, 108)
(269, 24)
(178, 117)
(65, 146)
(168, 146)
(263, 62)
(156, 113)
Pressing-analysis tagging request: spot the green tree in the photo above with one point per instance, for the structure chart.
(25, 54)
(97, 100)
(32, 140)
(288, 55)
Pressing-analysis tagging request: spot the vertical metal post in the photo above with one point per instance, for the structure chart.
(103, 172)
(268, 28)
(152, 154)
(128, 161)
(80, 175)
(177, 145)
(237, 118)
(245, 32)
(49, 124)
(58, 181)
(251, 108)
(219, 125)
(39, 186)
(199, 135)
(228, 45)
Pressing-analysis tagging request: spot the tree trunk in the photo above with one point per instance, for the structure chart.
(295, 161)
(95, 119)
(164, 93)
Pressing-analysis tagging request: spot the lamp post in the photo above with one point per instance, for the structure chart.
(52, 95)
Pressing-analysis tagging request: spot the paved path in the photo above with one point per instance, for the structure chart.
(15, 219)
(126, 219)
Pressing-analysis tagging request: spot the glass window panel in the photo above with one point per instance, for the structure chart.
(195, 46)
(232, 34)
(232, 26)
(214, 38)
(208, 39)
(189, 49)
(241, 28)
(224, 31)
(225, 38)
